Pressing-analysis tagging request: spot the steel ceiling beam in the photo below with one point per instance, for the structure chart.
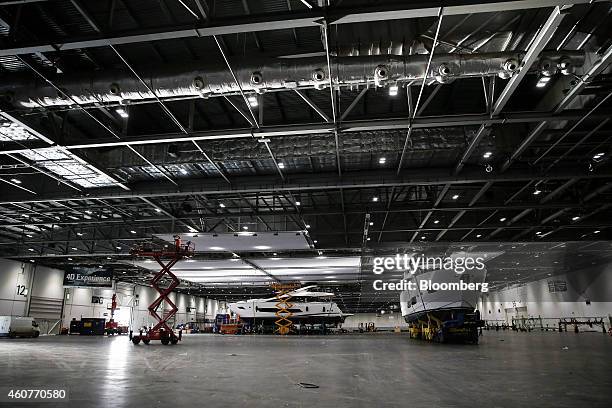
(537, 45)
(588, 77)
(292, 19)
(353, 210)
(323, 182)
(370, 125)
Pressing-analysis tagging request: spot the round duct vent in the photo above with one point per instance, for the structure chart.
(198, 83)
(256, 78)
(114, 89)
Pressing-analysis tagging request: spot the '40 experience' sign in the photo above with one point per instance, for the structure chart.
(88, 276)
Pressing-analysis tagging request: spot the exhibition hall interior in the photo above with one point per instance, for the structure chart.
(305, 203)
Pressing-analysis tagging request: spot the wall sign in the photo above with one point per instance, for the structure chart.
(88, 276)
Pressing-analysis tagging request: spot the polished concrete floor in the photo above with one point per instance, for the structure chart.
(372, 370)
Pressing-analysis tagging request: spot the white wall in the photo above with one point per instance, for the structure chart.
(48, 283)
(13, 274)
(535, 299)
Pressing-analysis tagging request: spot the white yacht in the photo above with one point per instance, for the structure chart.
(416, 303)
(307, 306)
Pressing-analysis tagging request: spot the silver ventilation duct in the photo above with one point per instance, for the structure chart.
(260, 76)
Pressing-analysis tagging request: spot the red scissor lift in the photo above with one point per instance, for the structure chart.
(166, 258)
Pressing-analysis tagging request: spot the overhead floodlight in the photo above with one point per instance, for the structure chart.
(436, 221)
(298, 203)
(375, 199)
(542, 82)
(502, 219)
(253, 101)
(262, 247)
(16, 181)
(371, 223)
(245, 227)
(222, 205)
(122, 112)
(487, 155)
(307, 226)
(132, 231)
(281, 165)
(158, 210)
(596, 156)
(382, 160)
(456, 196)
(183, 171)
(393, 89)
(478, 235)
(537, 191)
(596, 232)
(576, 218)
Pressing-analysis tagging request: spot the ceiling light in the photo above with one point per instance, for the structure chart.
(502, 219)
(436, 221)
(158, 209)
(222, 205)
(307, 226)
(542, 81)
(31, 249)
(80, 234)
(393, 89)
(576, 218)
(70, 259)
(183, 171)
(538, 233)
(74, 248)
(537, 191)
(119, 248)
(245, 227)
(368, 238)
(122, 112)
(479, 235)
(371, 223)
(253, 101)
(88, 211)
(108, 257)
(596, 232)
(132, 231)
(321, 257)
(30, 235)
(262, 247)
(31, 260)
(423, 237)
(298, 203)
(16, 181)
(281, 165)
(315, 241)
(456, 196)
(375, 199)
(487, 155)
(382, 160)
(216, 248)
